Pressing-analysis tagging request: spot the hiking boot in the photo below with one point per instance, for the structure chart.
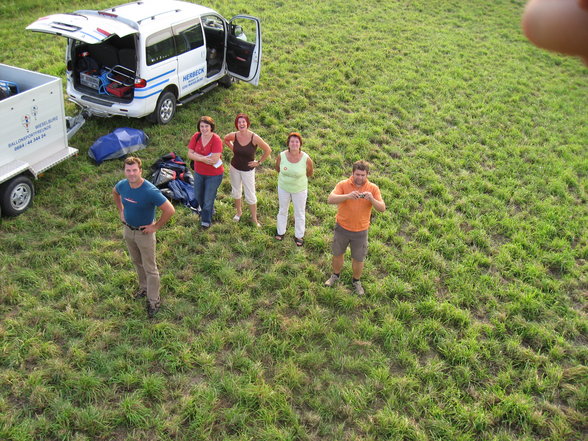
(358, 288)
(140, 293)
(331, 281)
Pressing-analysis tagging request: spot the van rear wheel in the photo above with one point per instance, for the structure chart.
(16, 195)
(165, 108)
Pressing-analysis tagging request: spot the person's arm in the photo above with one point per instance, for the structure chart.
(191, 153)
(217, 144)
(309, 167)
(229, 139)
(210, 160)
(200, 158)
(558, 25)
(379, 205)
(167, 211)
(267, 151)
(336, 198)
(119, 204)
(278, 161)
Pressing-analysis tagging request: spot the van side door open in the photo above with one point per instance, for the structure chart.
(243, 54)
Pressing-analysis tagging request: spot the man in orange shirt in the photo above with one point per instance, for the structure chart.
(355, 198)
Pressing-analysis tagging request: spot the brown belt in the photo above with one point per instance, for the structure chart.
(132, 228)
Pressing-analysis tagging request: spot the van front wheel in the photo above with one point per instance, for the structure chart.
(165, 109)
(16, 195)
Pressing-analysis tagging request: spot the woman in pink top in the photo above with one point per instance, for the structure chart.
(205, 149)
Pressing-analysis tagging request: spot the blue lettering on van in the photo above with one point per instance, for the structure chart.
(193, 74)
(191, 79)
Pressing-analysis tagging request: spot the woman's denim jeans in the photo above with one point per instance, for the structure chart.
(205, 188)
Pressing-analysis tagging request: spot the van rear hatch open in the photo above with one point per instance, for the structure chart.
(91, 27)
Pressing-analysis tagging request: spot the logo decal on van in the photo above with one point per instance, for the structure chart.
(192, 78)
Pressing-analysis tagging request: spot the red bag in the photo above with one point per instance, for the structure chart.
(119, 90)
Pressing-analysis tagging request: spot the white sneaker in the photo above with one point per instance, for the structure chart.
(331, 281)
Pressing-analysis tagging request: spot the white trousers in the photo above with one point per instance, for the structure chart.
(243, 180)
(299, 202)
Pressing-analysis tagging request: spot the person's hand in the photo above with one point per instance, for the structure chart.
(368, 196)
(146, 229)
(558, 25)
(355, 195)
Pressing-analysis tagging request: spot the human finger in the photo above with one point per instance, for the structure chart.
(558, 25)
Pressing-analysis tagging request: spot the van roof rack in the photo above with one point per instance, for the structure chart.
(152, 17)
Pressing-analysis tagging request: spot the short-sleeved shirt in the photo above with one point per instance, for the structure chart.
(139, 203)
(355, 214)
(215, 145)
(292, 177)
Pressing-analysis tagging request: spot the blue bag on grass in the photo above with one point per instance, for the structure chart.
(182, 192)
(117, 144)
(173, 177)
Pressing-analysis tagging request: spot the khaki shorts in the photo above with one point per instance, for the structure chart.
(358, 240)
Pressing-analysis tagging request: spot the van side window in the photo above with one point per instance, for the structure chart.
(189, 39)
(160, 46)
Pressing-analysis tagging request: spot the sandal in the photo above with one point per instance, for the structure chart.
(280, 237)
(299, 242)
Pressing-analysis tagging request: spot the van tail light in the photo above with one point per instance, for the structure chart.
(103, 32)
(140, 83)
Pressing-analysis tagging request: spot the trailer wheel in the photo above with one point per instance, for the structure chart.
(16, 195)
(165, 108)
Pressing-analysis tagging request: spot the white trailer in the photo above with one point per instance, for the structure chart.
(33, 135)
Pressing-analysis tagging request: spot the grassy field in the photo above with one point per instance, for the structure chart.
(474, 325)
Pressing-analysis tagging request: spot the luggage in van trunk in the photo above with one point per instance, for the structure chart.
(119, 90)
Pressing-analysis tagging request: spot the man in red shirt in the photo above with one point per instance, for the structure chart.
(355, 198)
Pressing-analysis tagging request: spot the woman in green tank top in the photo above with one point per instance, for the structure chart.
(294, 167)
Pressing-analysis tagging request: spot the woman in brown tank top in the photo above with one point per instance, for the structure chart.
(244, 144)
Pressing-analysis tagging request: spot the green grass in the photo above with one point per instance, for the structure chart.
(475, 320)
